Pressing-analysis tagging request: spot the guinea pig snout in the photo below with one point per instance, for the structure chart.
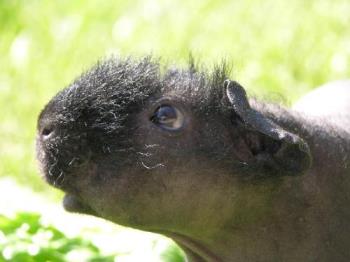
(47, 132)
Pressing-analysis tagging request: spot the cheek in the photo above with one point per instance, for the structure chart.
(159, 149)
(118, 193)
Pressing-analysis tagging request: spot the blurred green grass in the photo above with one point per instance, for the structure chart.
(278, 48)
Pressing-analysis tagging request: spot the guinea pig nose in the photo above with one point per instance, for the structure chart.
(47, 132)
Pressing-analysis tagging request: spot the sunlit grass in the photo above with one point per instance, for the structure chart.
(276, 47)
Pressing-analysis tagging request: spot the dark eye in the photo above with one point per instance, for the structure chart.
(168, 117)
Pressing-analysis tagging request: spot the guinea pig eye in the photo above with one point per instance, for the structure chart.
(168, 117)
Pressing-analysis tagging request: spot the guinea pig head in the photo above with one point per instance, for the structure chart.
(157, 151)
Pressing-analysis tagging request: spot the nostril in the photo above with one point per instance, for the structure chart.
(46, 132)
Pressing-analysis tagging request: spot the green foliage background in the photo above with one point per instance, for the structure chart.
(28, 239)
(278, 48)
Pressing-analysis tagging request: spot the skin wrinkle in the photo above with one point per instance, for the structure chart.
(237, 180)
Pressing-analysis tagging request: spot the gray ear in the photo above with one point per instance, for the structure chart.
(261, 142)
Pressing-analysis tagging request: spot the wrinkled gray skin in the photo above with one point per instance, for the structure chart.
(239, 181)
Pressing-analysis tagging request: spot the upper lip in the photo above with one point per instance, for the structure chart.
(55, 180)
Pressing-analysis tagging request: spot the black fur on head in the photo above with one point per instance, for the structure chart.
(94, 117)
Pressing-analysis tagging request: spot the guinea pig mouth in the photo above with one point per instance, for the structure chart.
(59, 166)
(59, 173)
(72, 203)
(63, 176)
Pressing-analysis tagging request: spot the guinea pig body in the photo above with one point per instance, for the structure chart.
(186, 154)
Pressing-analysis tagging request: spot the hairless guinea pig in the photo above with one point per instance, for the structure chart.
(185, 154)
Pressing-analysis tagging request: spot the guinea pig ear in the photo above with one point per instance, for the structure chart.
(260, 142)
